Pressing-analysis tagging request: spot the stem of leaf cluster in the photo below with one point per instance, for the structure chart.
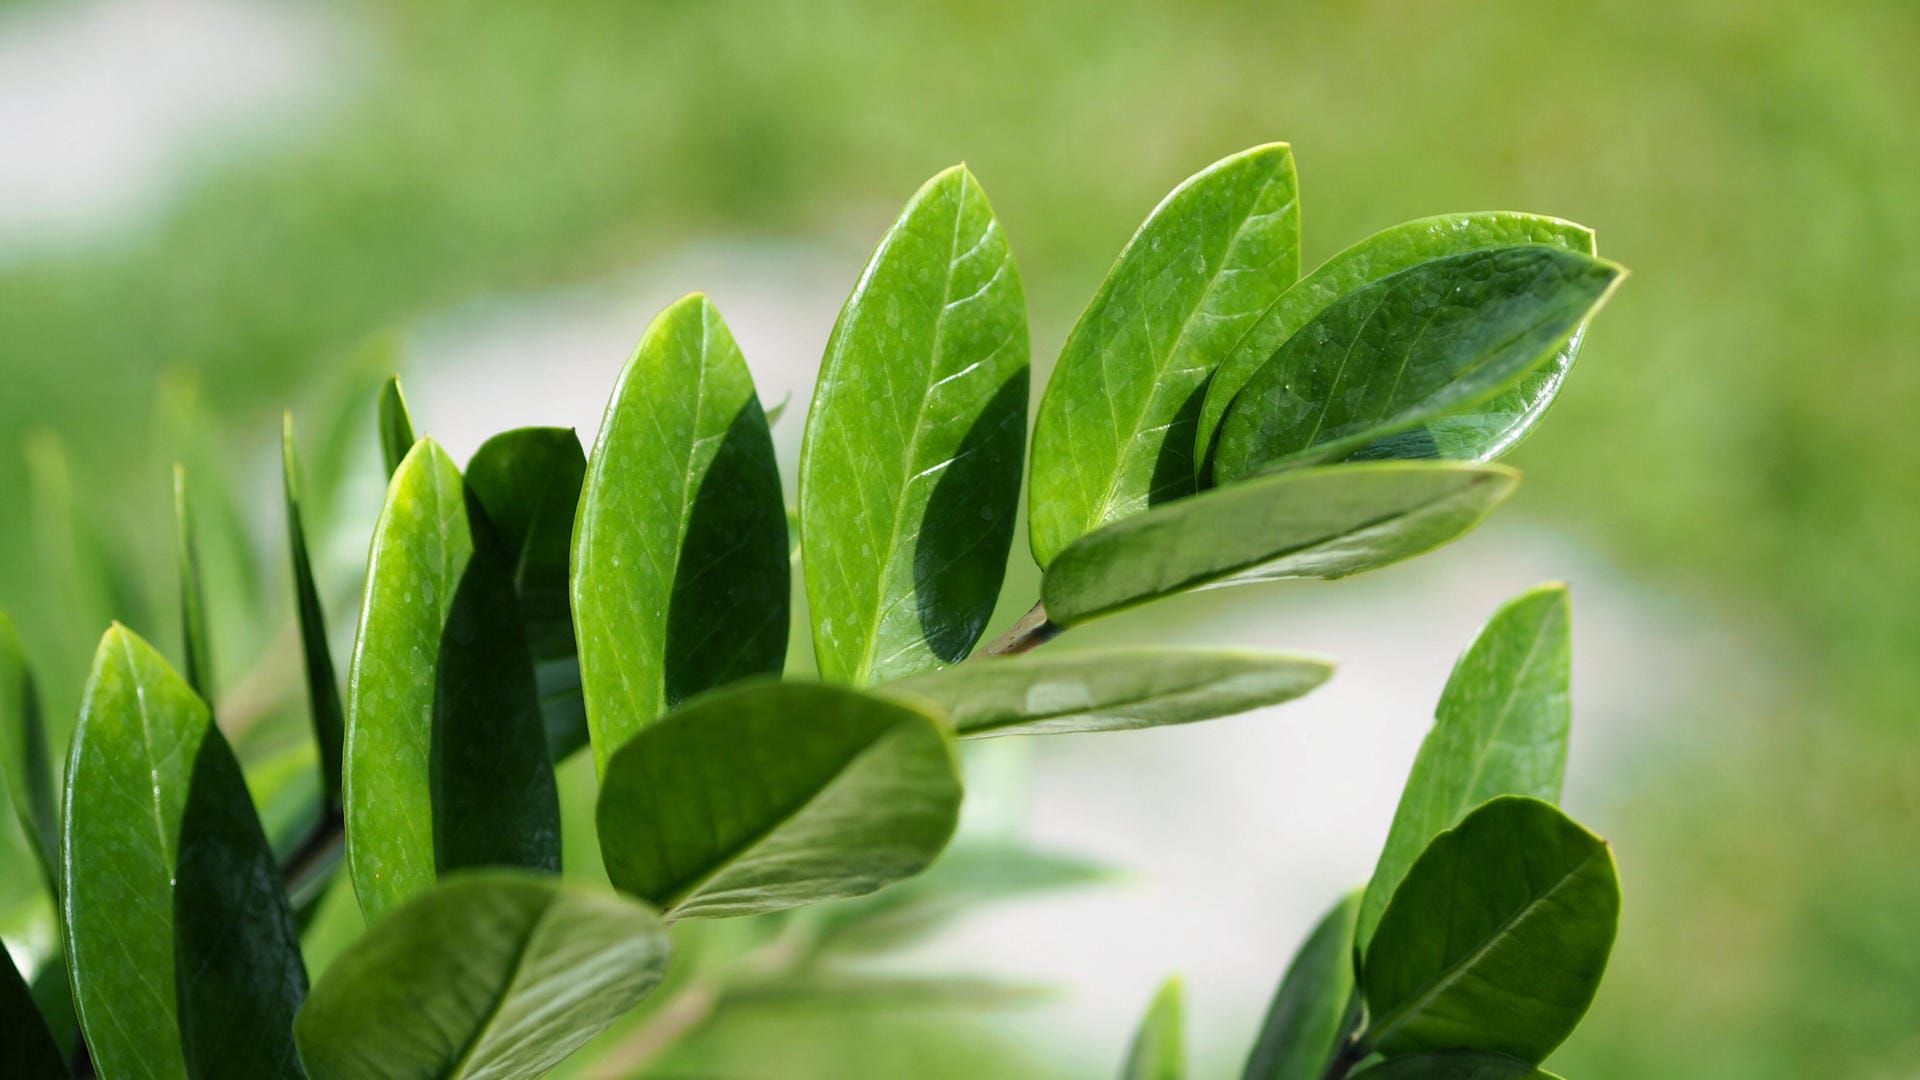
(316, 853)
(1351, 1052)
(1033, 630)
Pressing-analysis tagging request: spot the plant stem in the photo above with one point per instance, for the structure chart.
(1351, 1053)
(316, 855)
(1032, 630)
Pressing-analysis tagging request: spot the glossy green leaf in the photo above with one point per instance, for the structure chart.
(1116, 424)
(1316, 1006)
(910, 472)
(776, 795)
(323, 690)
(396, 425)
(1407, 349)
(1109, 689)
(681, 573)
(1497, 937)
(193, 594)
(180, 945)
(1500, 729)
(1159, 1044)
(27, 1049)
(446, 757)
(25, 755)
(529, 481)
(1453, 1065)
(490, 974)
(1311, 523)
(1389, 252)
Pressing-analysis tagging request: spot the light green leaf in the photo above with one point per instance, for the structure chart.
(776, 795)
(910, 472)
(1159, 1044)
(529, 481)
(490, 974)
(1116, 424)
(1109, 689)
(193, 595)
(323, 691)
(1497, 937)
(1310, 523)
(1500, 729)
(856, 990)
(1316, 1006)
(27, 1049)
(396, 425)
(180, 945)
(446, 757)
(1453, 1065)
(681, 572)
(25, 755)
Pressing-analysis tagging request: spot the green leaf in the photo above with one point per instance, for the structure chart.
(490, 974)
(776, 795)
(323, 690)
(1109, 689)
(1115, 430)
(1310, 523)
(529, 481)
(1497, 938)
(859, 990)
(1407, 349)
(193, 595)
(1453, 1065)
(1500, 729)
(1159, 1044)
(681, 573)
(446, 757)
(26, 756)
(180, 945)
(27, 1050)
(910, 471)
(1316, 1006)
(1388, 252)
(396, 425)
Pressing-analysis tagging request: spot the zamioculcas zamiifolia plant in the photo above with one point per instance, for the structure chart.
(1213, 419)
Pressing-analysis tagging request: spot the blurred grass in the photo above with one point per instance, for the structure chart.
(1740, 431)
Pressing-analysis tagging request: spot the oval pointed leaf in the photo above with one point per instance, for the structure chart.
(323, 690)
(1407, 349)
(1453, 1065)
(25, 755)
(529, 481)
(27, 1049)
(193, 595)
(490, 974)
(1497, 937)
(1109, 690)
(910, 473)
(1388, 252)
(772, 796)
(180, 945)
(1500, 729)
(1159, 1044)
(1316, 1006)
(446, 757)
(1116, 424)
(1321, 523)
(681, 572)
(396, 425)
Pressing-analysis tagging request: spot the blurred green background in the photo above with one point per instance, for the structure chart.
(1739, 434)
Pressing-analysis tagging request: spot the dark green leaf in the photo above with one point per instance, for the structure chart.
(1497, 937)
(681, 571)
(491, 974)
(179, 941)
(25, 755)
(1310, 523)
(446, 757)
(1159, 1044)
(1115, 430)
(1316, 1006)
(910, 472)
(1109, 690)
(776, 795)
(27, 1049)
(529, 482)
(1408, 349)
(1500, 729)
(323, 691)
(1453, 1065)
(193, 595)
(396, 425)
(1477, 435)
